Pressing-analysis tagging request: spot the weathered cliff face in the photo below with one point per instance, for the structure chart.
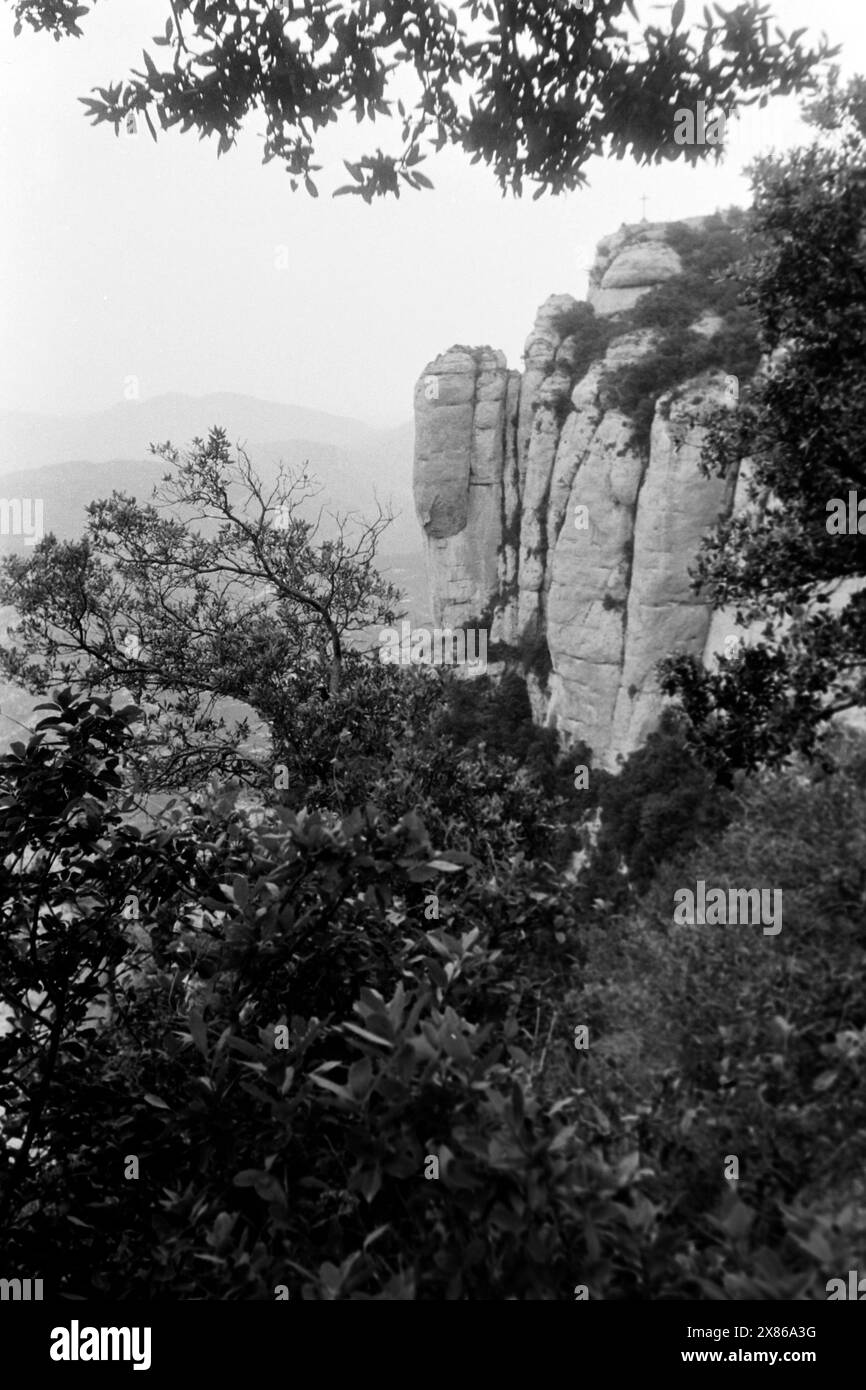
(543, 520)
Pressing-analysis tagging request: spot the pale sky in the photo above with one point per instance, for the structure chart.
(120, 258)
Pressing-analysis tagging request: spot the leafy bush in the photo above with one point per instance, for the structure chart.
(726, 1041)
(246, 1084)
(662, 803)
(302, 1164)
(590, 335)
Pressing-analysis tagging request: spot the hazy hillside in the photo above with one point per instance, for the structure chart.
(70, 460)
(125, 430)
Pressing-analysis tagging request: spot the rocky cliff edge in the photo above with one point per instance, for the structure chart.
(548, 522)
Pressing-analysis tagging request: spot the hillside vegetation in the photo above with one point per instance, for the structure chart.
(337, 1057)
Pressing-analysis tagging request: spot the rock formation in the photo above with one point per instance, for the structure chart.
(544, 520)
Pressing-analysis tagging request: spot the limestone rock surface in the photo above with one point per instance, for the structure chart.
(544, 521)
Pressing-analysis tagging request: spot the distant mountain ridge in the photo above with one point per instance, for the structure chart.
(30, 440)
(72, 460)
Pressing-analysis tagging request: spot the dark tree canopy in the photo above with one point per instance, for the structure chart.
(534, 89)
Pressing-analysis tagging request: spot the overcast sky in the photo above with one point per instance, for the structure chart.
(122, 258)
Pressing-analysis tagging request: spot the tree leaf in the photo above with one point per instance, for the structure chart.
(156, 1101)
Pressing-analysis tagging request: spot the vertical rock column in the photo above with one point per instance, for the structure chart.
(677, 507)
(544, 404)
(597, 478)
(589, 586)
(460, 404)
(505, 606)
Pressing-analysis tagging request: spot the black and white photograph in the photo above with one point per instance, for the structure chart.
(432, 669)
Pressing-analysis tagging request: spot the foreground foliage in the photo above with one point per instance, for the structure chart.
(534, 90)
(306, 1010)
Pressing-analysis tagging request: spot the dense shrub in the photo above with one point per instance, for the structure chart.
(590, 335)
(306, 1013)
(498, 714)
(728, 1041)
(301, 1165)
(662, 802)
